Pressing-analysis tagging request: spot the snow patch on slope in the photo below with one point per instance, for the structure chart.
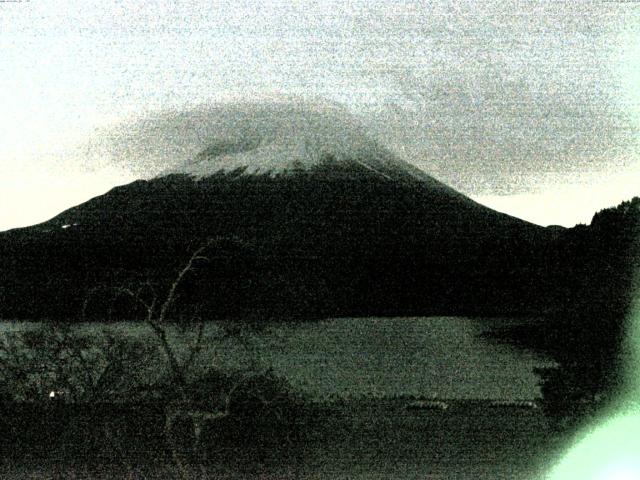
(257, 138)
(278, 139)
(283, 139)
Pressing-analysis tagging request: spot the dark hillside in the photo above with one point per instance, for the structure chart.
(326, 241)
(593, 283)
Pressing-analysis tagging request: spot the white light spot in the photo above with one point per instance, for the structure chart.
(52, 394)
(66, 226)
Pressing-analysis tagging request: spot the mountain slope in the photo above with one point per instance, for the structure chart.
(317, 220)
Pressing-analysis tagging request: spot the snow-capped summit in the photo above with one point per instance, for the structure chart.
(284, 139)
(278, 139)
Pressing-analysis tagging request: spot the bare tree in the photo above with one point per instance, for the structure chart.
(157, 309)
(87, 369)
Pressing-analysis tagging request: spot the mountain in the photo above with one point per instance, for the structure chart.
(316, 219)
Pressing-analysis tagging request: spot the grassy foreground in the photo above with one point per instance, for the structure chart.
(354, 439)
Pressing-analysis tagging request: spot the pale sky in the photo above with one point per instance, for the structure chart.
(531, 107)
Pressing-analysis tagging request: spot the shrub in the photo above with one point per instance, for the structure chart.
(56, 363)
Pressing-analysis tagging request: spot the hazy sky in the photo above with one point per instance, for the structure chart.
(532, 107)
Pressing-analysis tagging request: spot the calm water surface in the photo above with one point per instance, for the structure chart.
(444, 357)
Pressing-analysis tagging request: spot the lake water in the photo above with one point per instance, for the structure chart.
(444, 357)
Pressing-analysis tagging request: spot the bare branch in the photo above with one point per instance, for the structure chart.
(77, 352)
(195, 350)
(135, 296)
(174, 364)
(188, 267)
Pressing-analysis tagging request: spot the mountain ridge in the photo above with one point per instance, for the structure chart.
(320, 221)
